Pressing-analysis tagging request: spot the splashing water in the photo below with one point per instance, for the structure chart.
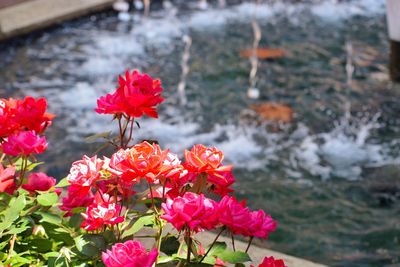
(322, 168)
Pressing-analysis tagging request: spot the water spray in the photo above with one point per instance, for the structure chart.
(185, 69)
(253, 92)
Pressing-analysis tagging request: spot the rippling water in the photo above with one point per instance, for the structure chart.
(331, 177)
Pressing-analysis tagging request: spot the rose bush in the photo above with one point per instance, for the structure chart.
(141, 191)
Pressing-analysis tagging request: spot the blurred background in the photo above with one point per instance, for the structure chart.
(296, 93)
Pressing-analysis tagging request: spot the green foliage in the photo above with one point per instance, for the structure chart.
(47, 199)
(145, 220)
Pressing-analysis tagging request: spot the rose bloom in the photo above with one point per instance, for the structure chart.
(7, 114)
(271, 262)
(77, 197)
(201, 159)
(172, 168)
(7, 179)
(24, 143)
(136, 95)
(129, 254)
(194, 211)
(261, 225)
(86, 171)
(234, 215)
(143, 160)
(101, 213)
(31, 114)
(221, 181)
(40, 182)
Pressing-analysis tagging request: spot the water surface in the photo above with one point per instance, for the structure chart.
(331, 177)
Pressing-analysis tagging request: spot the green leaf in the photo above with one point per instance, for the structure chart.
(165, 259)
(138, 225)
(63, 183)
(234, 256)
(209, 260)
(76, 220)
(32, 166)
(169, 244)
(11, 213)
(90, 245)
(49, 217)
(19, 227)
(218, 248)
(93, 138)
(40, 245)
(47, 199)
(57, 262)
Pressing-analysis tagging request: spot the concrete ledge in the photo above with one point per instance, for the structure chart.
(257, 253)
(36, 14)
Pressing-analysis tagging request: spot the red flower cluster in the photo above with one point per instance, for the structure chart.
(21, 121)
(136, 95)
(102, 212)
(197, 212)
(82, 176)
(28, 114)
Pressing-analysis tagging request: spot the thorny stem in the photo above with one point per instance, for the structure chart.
(24, 165)
(249, 244)
(130, 131)
(233, 242)
(189, 245)
(12, 242)
(152, 198)
(212, 244)
(163, 190)
(121, 136)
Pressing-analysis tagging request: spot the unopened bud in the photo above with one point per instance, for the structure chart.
(39, 230)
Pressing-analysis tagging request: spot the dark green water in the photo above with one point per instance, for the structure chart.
(331, 180)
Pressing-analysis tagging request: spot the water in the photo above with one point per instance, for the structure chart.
(331, 177)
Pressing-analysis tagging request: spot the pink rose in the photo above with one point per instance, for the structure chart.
(24, 143)
(261, 225)
(85, 172)
(129, 254)
(234, 215)
(101, 214)
(271, 262)
(194, 211)
(41, 182)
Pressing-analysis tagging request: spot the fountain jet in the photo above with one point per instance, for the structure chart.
(185, 69)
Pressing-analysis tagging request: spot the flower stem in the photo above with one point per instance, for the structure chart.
(249, 244)
(12, 242)
(189, 248)
(130, 131)
(121, 134)
(233, 242)
(212, 244)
